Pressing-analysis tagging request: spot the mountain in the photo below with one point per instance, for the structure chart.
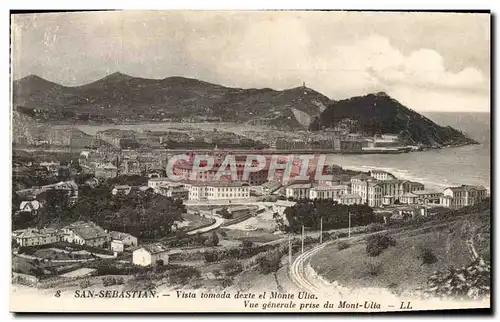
(379, 113)
(123, 98)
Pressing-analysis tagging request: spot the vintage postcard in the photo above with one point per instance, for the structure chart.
(250, 161)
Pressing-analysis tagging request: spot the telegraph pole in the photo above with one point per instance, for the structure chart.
(302, 238)
(289, 250)
(349, 225)
(321, 231)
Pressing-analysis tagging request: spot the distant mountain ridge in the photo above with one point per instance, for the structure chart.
(379, 113)
(122, 98)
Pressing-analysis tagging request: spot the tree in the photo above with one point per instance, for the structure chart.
(213, 240)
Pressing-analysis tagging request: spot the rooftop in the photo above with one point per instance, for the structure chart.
(350, 196)
(155, 248)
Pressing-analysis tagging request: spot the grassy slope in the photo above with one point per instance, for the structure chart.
(401, 270)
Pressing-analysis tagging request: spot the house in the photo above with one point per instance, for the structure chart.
(445, 201)
(465, 195)
(270, 187)
(106, 171)
(174, 190)
(92, 182)
(35, 237)
(156, 182)
(350, 199)
(30, 206)
(86, 233)
(409, 198)
(121, 189)
(298, 190)
(127, 239)
(281, 205)
(150, 255)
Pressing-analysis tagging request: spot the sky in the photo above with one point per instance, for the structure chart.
(427, 61)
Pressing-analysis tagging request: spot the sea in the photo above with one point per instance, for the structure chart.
(437, 169)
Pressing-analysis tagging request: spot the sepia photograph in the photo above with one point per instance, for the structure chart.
(257, 161)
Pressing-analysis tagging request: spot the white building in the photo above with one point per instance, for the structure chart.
(350, 199)
(219, 190)
(174, 190)
(150, 255)
(155, 183)
(465, 195)
(328, 192)
(409, 198)
(30, 206)
(382, 175)
(445, 201)
(281, 205)
(428, 196)
(35, 237)
(121, 189)
(298, 190)
(120, 241)
(86, 233)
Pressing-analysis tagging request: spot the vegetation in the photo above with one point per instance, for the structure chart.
(427, 256)
(310, 213)
(376, 244)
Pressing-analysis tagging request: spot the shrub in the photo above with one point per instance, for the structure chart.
(376, 244)
(373, 269)
(374, 227)
(183, 275)
(232, 268)
(227, 282)
(119, 280)
(426, 255)
(84, 284)
(247, 244)
(269, 263)
(108, 281)
(211, 257)
(343, 245)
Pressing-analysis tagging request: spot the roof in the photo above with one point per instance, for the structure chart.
(379, 171)
(350, 196)
(159, 179)
(299, 186)
(34, 204)
(120, 187)
(327, 188)
(409, 194)
(426, 192)
(118, 235)
(361, 176)
(285, 203)
(154, 248)
(87, 230)
(466, 188)
(447, 197)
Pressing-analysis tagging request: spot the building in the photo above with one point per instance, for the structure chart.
(150, 255)
(281, 205)
(445, 201)
(86, 233)
(350, 199)
(428, 196)
(328, 192)
(270, 187)
(409, 198)
(348, 144)
(35, 237)
(382, 175)
(174, 190)
(106, 171)
(120, 241)
(30, 206)
(465, 195)
(218, 190)
(155, 183)
(375, 192)
(123, 190)
(298, 191)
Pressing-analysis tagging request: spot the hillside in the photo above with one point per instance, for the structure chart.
(379, 113)
(123, 98)
(401, 268)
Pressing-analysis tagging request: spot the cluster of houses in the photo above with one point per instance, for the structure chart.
(381, 188)
(91, 234)
(81, 233)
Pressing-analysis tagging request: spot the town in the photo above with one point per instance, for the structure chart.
(115, 212)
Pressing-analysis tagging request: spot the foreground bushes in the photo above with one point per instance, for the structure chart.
(376, 244)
